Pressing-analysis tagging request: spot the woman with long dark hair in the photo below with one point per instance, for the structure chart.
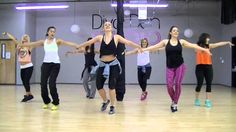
(204, 68)
(175, 67)
(90, 63)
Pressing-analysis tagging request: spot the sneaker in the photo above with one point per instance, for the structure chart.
(197, 102)
(208, 103)
(112, 110)
(143, 96)
(173, 108)
(104, 105)
(45, 106)
(54, 107)
(27, 98)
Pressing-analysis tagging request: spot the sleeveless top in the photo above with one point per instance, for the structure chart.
(174, 56)
(108, 49)
(143, 58)
(51, 52)
(203, 58)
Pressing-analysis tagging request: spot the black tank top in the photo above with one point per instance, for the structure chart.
(108, 49)
(89, 59)
(174, 56)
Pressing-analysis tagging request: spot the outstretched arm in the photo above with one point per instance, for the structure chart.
(135, 51)
(127, 42)
(194, 46)
(91, 41)
(157, 46)
(32, 44)
(215, 45)
(66, 43)
(75, 51)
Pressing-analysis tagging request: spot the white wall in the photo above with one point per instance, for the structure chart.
(223, 74)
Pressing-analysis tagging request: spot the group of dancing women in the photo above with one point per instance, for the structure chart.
(109, 67)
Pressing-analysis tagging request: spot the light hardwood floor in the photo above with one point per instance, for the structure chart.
(78, 114)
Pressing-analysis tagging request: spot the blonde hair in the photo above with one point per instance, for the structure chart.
(27, 36)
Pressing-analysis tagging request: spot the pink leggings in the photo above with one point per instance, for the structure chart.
(175, 74)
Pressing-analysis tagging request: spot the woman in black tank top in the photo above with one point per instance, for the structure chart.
(90, 63)
(175, 63)
(109, 63)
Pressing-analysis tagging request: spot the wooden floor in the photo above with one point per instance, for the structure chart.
(78, 114)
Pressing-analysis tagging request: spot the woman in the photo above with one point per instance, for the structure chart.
(109, 66)
(26, 65)
(175, 62)
(144, 67)
(204, 67)
(90, 63)
(51, 66)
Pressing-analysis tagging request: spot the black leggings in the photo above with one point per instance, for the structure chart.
(204, 71)
(143, 77)
(114, 74)
(26, 74)
(49, 71)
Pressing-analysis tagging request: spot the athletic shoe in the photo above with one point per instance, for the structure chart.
(112, 110)
(104, 105)
(197, 102)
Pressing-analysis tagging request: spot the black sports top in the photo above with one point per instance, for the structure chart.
(108, 49)
(174, 56)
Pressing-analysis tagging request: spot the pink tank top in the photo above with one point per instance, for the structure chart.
(24, 55)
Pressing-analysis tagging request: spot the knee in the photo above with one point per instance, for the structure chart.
(52, 84)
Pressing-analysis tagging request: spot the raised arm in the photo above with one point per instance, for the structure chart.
(194, 46)
(215, 45)
(127, 42)
(91, 41)
(157, 46)
(11, 37)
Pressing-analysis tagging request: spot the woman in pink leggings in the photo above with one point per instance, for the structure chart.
(175, 63)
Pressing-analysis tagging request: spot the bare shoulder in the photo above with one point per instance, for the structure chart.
(182, 41)
(165, 41)
(99, 38)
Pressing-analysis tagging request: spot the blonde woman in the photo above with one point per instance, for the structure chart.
(26, 65)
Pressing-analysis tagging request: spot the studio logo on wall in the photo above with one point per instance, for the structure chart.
(98, 20)
(136, 29)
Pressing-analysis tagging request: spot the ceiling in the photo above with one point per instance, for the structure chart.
(53, 1)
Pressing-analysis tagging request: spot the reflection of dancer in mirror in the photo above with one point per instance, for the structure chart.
(51, 66)
(26, 65)
(175, 63)
(109, 66)
(90, 63)
(204, 67)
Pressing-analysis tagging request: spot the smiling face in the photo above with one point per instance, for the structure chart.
(174, 32)
(144, 43)
(51, 32)
(107, 27)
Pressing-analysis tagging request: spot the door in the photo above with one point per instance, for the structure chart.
(7, 62)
